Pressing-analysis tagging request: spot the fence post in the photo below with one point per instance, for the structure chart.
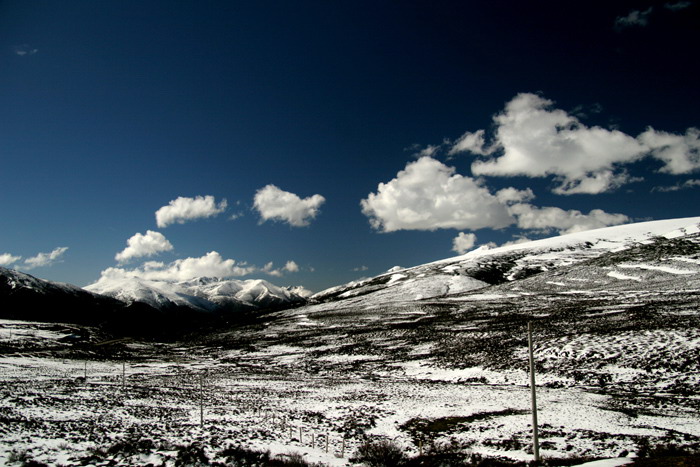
(535, 440)
(201, 400)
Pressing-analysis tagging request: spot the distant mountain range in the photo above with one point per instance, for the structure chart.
(25, 297)
(141, 306)
(163, 304)
(201, 294)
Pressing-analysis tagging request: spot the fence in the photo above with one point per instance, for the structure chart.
(205, 399)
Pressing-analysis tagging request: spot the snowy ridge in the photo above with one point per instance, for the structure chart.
(16, 281)
(491, 266)
(203, 293)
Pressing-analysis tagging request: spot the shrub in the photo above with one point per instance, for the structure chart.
(237, 455)
(17, 457)
(192, 455)
(381, 453)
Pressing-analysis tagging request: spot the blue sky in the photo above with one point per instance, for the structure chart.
(334, 140)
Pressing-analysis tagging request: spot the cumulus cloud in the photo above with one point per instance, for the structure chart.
(184, 209)
(512, 195)
(140, 245)
(45, 259)
(634, 18)
(6, 259)
(209, 265)
(428, 195)
(552, 218)
(291, 266)
(596, 182)
(463, 242)
(273, 203)
(536, 140)
(270, 269)
(472, 142)
(679, 153)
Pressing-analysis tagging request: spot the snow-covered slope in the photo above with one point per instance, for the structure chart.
(204, 293)
(17, 281)
(23, 296)
(483, 267)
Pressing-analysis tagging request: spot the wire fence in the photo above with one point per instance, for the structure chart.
(189, 398)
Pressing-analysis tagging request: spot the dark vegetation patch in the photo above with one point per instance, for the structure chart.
(425, 428)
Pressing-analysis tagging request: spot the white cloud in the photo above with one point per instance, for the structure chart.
(45, 259)
(471, 142)
(429, 151)
(6, 259)
(428, 195)
(269, 268)
(680, 153)
(463, 242)
(184, 209)
(512, 195)
(360, 268)
(596, 182)
(209, 265)
(535, 140)
(144, 245)
(634, 18)
(275, 204)
(552, 218)
(290, 266)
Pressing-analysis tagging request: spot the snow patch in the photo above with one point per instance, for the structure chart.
(617, 275)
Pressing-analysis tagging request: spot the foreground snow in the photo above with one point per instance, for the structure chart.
(320, 399)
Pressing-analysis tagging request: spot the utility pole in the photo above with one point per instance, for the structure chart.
(535, 440)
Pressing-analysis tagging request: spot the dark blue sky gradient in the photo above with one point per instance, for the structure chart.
(127, 105)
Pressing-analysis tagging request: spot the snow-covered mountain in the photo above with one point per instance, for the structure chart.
(202, 294)
(23, 296)
(566, 264)
(485, 266)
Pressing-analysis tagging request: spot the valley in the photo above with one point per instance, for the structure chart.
(400, 357)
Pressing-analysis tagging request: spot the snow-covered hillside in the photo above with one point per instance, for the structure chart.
(17, 281)
(491, 266)
(23, 296)
(204, 293)
(430, 357)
